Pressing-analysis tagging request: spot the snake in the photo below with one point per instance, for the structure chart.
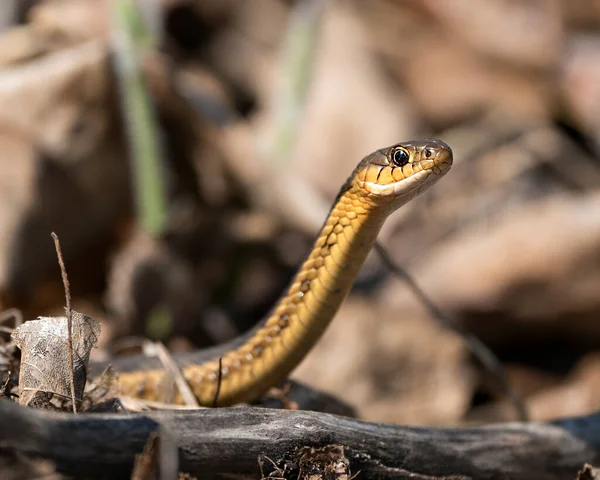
(245, 368)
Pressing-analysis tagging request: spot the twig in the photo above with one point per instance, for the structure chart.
(65, 279)
(132, 404)
(262, 474)
(279, 471)
(219, 381)
(174, 371)
(477, 347)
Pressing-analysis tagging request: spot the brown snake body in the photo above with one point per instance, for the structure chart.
(380, 184)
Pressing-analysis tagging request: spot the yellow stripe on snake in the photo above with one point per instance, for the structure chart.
(247, 367)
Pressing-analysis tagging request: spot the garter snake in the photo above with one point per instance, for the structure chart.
(246, 367)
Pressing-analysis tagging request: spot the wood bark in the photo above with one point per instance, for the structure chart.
(228, 442)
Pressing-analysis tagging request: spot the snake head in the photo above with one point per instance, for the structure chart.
(394, 175)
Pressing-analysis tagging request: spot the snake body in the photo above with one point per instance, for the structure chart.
(244, 369)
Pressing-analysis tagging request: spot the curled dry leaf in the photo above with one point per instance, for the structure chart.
(45, 356)
(147, 464)
(588, 473)
(158, 460)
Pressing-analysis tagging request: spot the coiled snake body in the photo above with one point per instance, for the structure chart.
(246, 367)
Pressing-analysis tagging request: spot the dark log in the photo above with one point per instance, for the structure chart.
(226, 443)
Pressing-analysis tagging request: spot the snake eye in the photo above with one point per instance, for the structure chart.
(401, 157)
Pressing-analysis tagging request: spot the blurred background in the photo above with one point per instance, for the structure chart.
(187, 151)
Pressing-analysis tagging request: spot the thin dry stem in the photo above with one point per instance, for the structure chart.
(171, 367)
(477, 347)
(219, 381)
(65, 279)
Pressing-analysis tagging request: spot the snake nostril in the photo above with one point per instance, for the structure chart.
(428, 152)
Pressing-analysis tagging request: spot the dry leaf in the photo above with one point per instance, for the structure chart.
(158, 460)
(147, 463)
(45, 356)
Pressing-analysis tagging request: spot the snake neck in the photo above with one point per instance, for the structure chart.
(301, 315)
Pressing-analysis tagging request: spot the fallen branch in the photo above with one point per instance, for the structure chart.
(226, 443)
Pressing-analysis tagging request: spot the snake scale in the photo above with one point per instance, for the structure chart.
(245, 368)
